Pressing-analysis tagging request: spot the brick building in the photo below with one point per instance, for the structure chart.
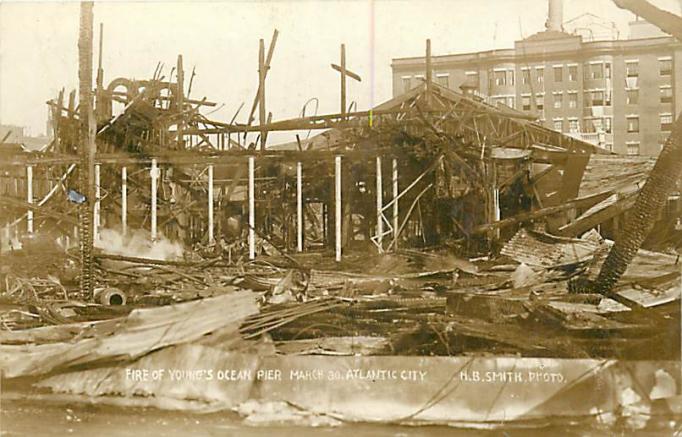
(622, 94)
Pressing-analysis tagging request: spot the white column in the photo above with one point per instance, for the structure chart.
(124, 200)
(337, 209)
(252, 209)
(98, 195)
(380, 205)
(29, 198)
(299, 207)
(396, 221)
(211, 239)
(496, 212)
(154, 175)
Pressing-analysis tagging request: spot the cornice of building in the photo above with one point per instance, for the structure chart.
(522, 52)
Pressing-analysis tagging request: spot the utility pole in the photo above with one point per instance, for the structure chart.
(429, 72)
(344, 72)
(87, 145)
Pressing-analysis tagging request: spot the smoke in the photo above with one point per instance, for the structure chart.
(138, 244)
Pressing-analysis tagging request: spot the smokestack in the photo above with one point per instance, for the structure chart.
(555, 16)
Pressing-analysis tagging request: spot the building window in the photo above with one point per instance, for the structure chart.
(598, 98)
(407, 84)
(632, 97)
(558, 74)
(573, 100)
(594, 71)
(525, 76)
(500, 78)
(666, 95)
(573, 125)
(633, 148)
(633, 124)
(666, 122)
(632, 69)
(540, 73)
(665, 67)
(443, 79)
(607, 70)
(592, 125)
(607, 125)
(573, 73)
(559, 125)
(525, 103)
(558, 100)
(540, 102)
(511, 102)
(510, 77)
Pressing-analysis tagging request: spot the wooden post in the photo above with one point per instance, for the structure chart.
(396, 192)
(154, 176)
(98, 195)
(344, 73)
(29, 198)
(429, 71)
(299, 207)
(261, 92)
(180, 100)
(211, 238)
(124, 200)
(337, 206)
(100, 109)
(252, 209)
(343, 80)
(87, 147)
(380, 205)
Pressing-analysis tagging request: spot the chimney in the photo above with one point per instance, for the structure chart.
(555, 16)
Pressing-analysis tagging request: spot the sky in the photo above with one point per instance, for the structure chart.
(38, 46)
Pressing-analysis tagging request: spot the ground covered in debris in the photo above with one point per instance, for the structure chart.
(411, 302)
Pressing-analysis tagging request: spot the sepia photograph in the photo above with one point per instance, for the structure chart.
(340, 217)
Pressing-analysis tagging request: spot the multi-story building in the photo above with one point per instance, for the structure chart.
(620, 93)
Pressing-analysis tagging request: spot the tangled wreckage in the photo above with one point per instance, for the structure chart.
(433, 225)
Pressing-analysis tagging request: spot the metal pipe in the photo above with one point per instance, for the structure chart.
(396, 192)
(380, 221)
(337, 192)
(98, 195)
(299, 207)
(154, 176)
(211, 238)
(252, 211)
(124, 200)
(29, 198)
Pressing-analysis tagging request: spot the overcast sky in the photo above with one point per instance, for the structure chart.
(38, 45)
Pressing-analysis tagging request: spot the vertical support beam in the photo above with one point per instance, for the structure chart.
(429, 71)
(86, 144)
(496, 209)
(154, 173)
(29, 198)
(252, 208)
(98, 197)
(380, 205)
(337, 206)
(261, 92)
(211, 238)
(343, 80)
(180, 101)
(124, 200)
(299, 207)
(396, 192)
